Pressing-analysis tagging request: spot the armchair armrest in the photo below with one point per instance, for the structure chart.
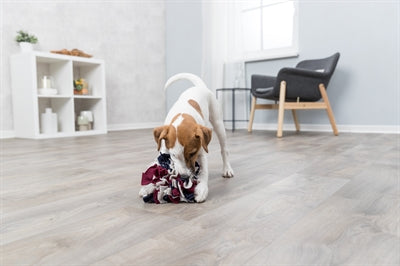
(302, 72)
(262, 81)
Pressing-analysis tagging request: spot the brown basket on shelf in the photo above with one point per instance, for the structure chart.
(73, 52)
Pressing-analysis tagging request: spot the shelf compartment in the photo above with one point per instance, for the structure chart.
(63, 107)
(96, 106)
(93, 74)
(59, 69)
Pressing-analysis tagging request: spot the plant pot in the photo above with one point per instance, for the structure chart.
(26, 46)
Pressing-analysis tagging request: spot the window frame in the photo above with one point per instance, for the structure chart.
(274, 53)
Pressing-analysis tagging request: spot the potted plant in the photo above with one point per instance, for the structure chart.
(25, 40)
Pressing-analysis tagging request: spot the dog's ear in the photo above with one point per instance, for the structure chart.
(205, 135)
(167, 133)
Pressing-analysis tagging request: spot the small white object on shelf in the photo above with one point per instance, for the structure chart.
(49, 122)
(47, 86)
(47, 82)
(83, 123)
(89, 116)
(26, 47)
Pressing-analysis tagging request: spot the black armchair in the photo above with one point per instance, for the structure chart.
(301, 87)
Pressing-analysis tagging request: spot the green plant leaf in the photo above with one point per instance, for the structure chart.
(25, 37)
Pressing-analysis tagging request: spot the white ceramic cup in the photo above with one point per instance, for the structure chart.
(88, 115)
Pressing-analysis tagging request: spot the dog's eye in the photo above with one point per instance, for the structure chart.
(192, 154)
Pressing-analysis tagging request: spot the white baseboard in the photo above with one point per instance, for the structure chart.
(119, 127)
(7, 134)
(384, 129)
(369, 129)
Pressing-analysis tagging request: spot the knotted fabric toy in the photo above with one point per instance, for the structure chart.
(169, 186)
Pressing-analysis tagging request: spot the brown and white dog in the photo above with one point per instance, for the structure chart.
(185, 134)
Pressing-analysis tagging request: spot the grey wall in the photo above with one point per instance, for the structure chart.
(183, 43)
(365, 88)
(135, 37)
(128, 35)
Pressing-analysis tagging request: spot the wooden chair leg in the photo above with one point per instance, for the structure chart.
(328, 109)
(296, 122)
(281, 112)
(252, 111)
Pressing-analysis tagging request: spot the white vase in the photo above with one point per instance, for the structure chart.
(26, 46)
(49, 122)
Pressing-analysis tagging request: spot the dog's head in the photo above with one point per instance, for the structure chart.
(184, 139)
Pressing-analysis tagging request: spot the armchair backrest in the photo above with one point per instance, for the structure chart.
(325, 65)
(303, 80)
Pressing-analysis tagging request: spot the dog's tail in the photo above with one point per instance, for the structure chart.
(198, 82)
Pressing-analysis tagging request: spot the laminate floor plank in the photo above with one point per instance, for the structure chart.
(307, 199)
(358, 225)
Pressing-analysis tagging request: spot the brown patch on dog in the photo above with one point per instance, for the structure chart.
(167, 133)
(175, 117)
(192, 137)
(196, 106)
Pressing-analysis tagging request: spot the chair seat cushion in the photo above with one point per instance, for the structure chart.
(265, 93)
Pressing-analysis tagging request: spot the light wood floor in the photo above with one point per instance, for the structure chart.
(305, 199)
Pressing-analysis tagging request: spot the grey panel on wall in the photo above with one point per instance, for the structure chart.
(128, 35)
(183, 44)
(367, 72)
(364, 89)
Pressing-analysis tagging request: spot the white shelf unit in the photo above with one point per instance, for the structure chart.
(28, 105)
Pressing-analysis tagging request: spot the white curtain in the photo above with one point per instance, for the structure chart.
(222, 47)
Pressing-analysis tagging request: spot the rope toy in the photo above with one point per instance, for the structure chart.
(169, 186)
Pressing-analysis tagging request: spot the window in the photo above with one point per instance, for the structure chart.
(268, 29)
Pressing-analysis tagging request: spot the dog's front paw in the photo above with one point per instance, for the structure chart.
(227, 172)
(146, 190)
(201, 192)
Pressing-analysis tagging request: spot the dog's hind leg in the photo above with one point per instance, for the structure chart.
(219, 129)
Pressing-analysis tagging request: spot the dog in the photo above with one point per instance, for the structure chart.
(185, 134)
